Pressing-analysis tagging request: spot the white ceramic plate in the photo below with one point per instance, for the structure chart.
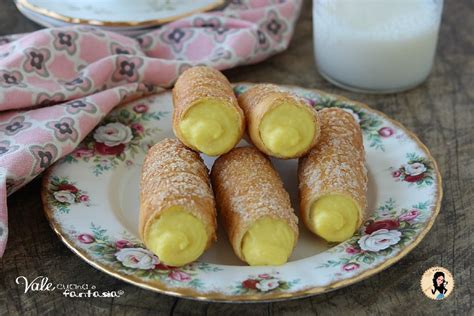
(116, 13)
(50, 22)
(91, 199)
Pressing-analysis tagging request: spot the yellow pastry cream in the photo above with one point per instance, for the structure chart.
(211, 126)
(176, 237)
(287, 129)
(334, 217)
(268, 242)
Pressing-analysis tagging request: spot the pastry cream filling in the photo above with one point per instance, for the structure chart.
(268, 242)
(287, 129)
(176, 237)
(211, 126)
(334, 217)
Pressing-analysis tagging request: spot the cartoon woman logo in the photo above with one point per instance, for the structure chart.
(437, 283)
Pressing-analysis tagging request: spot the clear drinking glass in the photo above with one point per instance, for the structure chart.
(376, 46)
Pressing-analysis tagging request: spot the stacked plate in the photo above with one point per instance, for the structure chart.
(123, 16)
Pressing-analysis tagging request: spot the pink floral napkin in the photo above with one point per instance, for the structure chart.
(56, 85)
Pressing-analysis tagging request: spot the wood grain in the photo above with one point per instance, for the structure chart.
(441, 112)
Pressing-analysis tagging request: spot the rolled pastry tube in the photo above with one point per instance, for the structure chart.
(279, 123)
(333, 178)
(177, 208)
(254, 207)
(206, 117)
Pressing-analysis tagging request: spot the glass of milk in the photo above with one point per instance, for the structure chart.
(377, 46)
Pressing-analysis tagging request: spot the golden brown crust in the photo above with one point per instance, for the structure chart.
(336, 165)
(247, 188)
(197, 84)
(259, 100)
(174, 175)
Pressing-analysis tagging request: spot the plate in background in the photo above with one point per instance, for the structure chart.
(50, 22)
(120, 15)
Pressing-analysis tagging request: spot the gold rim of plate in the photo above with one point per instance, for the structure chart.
(25, 4)
(220, 297)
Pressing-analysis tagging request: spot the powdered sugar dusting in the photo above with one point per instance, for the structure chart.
(260, 91)
(337, 163)
(175, 175)
(248, 188)
(201, 82)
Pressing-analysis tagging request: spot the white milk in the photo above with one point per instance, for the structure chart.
(376, 45)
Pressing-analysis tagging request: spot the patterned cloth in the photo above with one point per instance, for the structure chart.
(56, 85)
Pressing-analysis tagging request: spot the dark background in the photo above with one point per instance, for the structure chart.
(440, 112)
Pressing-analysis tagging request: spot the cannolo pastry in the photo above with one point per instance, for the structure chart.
(206, 116)
(279, 123)
(333, 178)
(254, 207)
(177, 209)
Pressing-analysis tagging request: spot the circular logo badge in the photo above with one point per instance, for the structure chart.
(437, 283)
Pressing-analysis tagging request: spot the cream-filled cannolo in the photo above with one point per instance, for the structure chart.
(279, 123)
(254, 207)
(333, 178)
(177, 209)
(206, 116)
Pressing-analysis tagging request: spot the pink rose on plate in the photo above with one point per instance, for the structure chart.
(264, 276)
(86, 238)
(396, 174)
(64, 196)
(137, 258)
(83, 153)
(379, 240)
(350, 266)
(410, 215)
(113, 134)
(267, 285)
(414, 169)
(140, 108)
(352, 250)
(138, 128)
(386, 131)
(179, 276)
(84, 198)
(123, 244)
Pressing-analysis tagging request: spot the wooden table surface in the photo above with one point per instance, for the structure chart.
(440, 112)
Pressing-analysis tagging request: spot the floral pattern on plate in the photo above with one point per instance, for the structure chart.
(63, 193)
(130, 257)
(122, 135)
(263, 283)
(388, 230)
(417, 171)
(400, 216)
